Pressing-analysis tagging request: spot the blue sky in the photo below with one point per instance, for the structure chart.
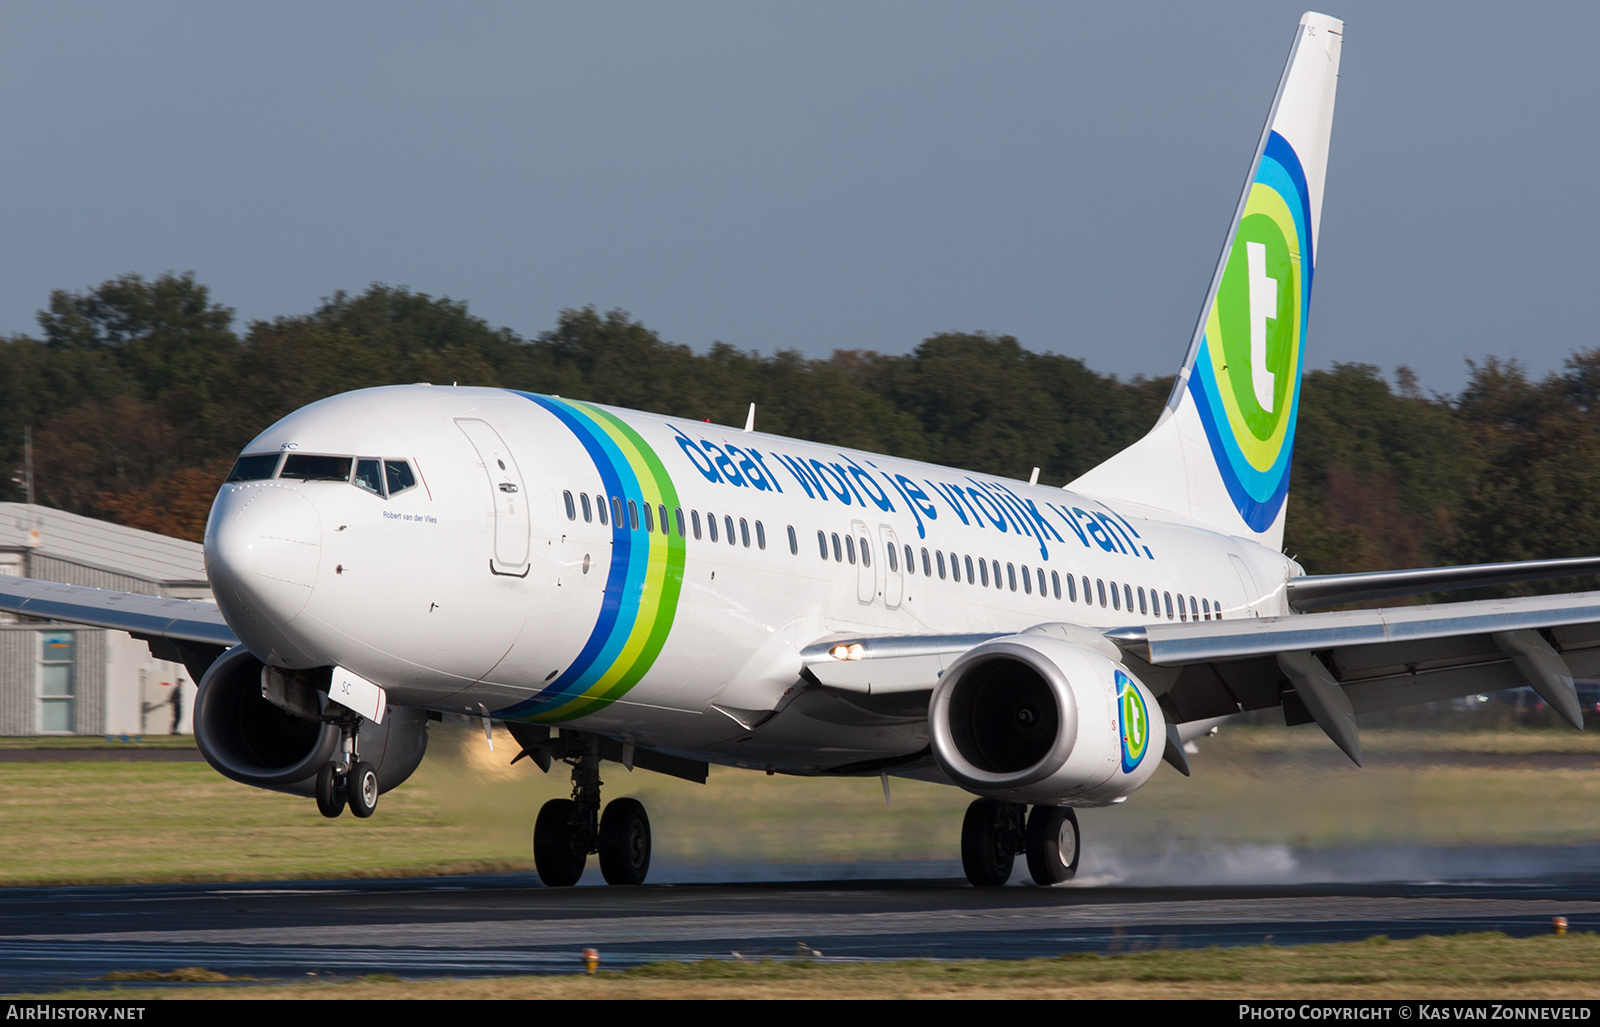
(809, 176)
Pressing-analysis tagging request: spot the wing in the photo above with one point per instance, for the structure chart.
(188, 631)
(1320, 667)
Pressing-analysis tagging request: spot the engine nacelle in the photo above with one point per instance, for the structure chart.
(255, 742)
(1034, 719)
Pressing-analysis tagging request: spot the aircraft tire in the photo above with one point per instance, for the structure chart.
(1052, 845)
(985, 856)
(330, 792)
(624, 842)
(363, 788)
(556, 854)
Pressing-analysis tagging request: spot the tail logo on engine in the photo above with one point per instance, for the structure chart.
(1134, 722)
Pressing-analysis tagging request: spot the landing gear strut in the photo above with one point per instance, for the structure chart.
(346, 779)
(994, 833)
(568, 830)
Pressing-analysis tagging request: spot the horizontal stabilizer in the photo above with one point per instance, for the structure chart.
(1316, 591)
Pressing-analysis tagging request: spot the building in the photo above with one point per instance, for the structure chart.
(71, 680)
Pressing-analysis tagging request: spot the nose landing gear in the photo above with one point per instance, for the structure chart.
(568, 830)
(994, 833)
(347, 780)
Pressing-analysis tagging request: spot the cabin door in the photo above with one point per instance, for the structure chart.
(509, 496)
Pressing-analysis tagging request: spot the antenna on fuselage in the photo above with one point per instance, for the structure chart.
(750, 419)
(1033, 479)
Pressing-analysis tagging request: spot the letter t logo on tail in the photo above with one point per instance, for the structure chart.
(1263, 306)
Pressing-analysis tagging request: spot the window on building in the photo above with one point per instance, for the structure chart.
(57, 702)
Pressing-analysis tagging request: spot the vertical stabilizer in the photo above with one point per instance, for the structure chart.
(1220, 452)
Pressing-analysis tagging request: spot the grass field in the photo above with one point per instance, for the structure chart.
(466, 810)
(1457, 967)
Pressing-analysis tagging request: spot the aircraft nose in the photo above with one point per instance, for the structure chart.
(263, 548)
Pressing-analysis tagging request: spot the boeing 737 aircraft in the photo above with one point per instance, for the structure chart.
(668, 594)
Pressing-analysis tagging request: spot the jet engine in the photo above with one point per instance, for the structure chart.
(1034, 719)
(257, 742)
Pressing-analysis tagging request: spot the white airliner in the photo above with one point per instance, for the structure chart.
(666, 593)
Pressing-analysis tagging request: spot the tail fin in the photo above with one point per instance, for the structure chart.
(1220, 452)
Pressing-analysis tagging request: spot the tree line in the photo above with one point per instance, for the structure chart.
(140, 393)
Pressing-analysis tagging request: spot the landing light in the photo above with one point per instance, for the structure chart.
(853, 651)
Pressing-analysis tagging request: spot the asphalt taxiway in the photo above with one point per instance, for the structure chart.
(508, 924)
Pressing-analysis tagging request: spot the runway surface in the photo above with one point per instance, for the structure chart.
(508, 924)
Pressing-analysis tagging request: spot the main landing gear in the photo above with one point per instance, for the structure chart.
(568, 830)
(346, 779)
(994, 833)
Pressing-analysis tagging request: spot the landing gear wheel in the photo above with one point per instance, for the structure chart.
(330, 791)
(1052, 845)
(363, 786)
(988, 842)
(624, 842)
(557, 854)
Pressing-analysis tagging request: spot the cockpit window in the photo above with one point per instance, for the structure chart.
(368, 477)
(305, 467)
(399, 476)
(254, 468)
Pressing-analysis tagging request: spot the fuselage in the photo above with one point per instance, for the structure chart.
(490, 552)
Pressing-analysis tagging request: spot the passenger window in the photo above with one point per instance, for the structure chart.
(1168, 597)
(1055, 583)
(305, 467)
(727, 522)
(1205, 608)
(1116, 598)
(1041, 583)
(1011, 576)
(601, 506)
(971, 578)
(744, 532)
(1142, 610)
(850, 548)
(1127, 597)
(1194, 611)
(838, 553)
(254, 468)
(633, 515)
(1100, 588)
(1216, 608)
(370, 477)
(661, 511)
(983, 569)
(397, 474)
(694, 520)
(583, 501)
(711, 526)
(911, 560)
(822, 544)
(566, 497)
(927, 566)
(866, 554)
(1027, 580)
(616, 512)
(679, 515)
(894, 564)
(761, 536)
(649, 520)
